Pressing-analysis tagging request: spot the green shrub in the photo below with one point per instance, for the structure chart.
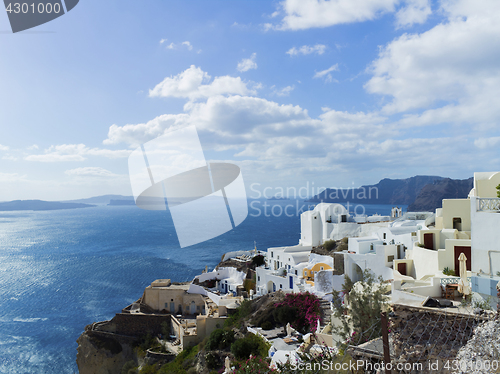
(482, 304)
(148, 369)
(249, 284)
(448, 271)
(249, 345)
(329, 245)
(266, 325)
(212, 360)
(130, 367)
(360, 321)
(181, 362)
(220, 339)
(243, 311)
(345, 240)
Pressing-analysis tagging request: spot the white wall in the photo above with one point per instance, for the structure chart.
(325, 281)
(376, 262)
(485, 240)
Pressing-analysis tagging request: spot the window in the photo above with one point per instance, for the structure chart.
(281, 286)
(271, 254)
(296, 272)
(414, 234)
(321, 268)
(385, 235)
(258, 278)
(390, 258)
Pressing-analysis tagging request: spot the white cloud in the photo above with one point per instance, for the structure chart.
(185, 44)
(193, 84)
(9, 158)
(33, 147)
(326, 73)
(247, 63)
(143, 132)
(305, 14)
(487, 143)
(90, 171)
(307, 50)
(4, 148)
(284, 91)
(414, 11)
(448, 74)
(74, 152)
(188, 45)
(11, 177)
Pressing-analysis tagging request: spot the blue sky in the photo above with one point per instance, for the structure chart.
(335, 93)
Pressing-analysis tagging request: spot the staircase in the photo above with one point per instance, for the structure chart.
(300, 287)
(326, 312)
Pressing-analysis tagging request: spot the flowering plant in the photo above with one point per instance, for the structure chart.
(307, 309)
(254, 365)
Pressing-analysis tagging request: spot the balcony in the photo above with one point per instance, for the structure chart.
(490, 204)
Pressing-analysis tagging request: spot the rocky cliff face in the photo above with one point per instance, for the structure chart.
(102, 355)
(387, 191)
(431, 196)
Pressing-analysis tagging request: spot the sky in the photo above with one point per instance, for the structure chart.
(298, 93)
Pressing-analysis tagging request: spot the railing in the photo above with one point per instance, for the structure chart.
(488, 204)
(445, 281)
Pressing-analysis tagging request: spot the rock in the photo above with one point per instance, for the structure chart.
(432, 303)
(446, 303)
(98, 355)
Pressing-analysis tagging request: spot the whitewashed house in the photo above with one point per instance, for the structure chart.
(485, 233)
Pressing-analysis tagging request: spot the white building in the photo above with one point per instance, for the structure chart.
(485, 233)
(380, 249)
(283, 269)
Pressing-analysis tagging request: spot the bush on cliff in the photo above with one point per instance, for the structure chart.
(220, 339)
(249, 345)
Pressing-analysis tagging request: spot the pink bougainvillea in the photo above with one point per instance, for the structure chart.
(308, 310)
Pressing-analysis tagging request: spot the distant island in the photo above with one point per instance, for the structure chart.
(420, 193)
(37, 205)
(121, 202)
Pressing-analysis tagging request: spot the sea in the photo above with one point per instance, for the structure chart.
(62, 270)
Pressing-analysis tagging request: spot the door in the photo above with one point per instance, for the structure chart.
(291, 282)
(402, 268)
(467, 253)
(172, 308)
(193, 307)
(429, 241)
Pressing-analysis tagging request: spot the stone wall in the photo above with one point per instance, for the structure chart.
(135, 324)
(420, 334)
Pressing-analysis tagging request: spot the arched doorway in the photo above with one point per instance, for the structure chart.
(271, 287)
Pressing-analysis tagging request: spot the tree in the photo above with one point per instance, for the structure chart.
(498, 190)
(358, 306)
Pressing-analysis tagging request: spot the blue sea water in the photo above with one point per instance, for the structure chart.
(61, 270)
